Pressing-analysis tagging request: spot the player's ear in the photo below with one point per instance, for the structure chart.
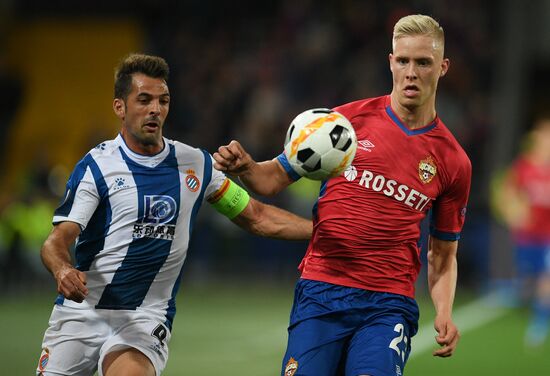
(445, 64)
(390, 56)
(119, 108)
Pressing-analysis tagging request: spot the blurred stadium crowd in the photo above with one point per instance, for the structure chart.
(243, 70)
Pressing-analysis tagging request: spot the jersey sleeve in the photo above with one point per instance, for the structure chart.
(216, 181)
(282, 159)
(449, 210)
(81, 195)
(224, 195)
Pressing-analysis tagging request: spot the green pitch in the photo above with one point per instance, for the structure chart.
(241, 330)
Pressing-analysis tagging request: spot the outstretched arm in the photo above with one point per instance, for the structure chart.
(264, 178)
(442, 277)
(270, 221)
(56, 256)
(265, 220)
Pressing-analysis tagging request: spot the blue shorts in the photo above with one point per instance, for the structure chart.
(337, 330)
(532, 260)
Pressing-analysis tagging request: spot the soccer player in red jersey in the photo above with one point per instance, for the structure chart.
(354, 311)
(524, 203)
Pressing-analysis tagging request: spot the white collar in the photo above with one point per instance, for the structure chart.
(145, 160)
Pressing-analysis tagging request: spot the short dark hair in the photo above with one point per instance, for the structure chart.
(151, 66)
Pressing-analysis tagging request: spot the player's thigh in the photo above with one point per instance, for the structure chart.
(71, 343)
(128, 361)
(137, 335)
(315, 347)
(381, 349)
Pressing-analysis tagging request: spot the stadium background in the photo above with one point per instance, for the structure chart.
(243, 70)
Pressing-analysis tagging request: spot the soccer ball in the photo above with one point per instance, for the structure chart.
(320, 143)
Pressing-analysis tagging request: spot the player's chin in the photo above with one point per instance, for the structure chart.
(151, 136)
(411, 100)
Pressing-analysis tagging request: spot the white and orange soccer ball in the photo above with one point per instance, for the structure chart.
(320, 143)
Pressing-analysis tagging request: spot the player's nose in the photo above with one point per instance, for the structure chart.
(410, 72)
(154, 107)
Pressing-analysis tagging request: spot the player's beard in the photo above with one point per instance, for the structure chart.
(147, 138)
(151, 138)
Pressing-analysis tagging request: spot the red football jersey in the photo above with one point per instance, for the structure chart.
(534, 181)
(367, 220)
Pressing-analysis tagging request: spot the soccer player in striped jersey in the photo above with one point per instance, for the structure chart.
(130, 205)
(354, 311)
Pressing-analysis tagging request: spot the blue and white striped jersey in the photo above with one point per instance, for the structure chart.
(136, 213)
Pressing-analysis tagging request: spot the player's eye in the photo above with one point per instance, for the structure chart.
(402, 61)
(423, 62)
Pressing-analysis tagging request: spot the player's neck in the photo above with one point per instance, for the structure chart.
(414, 116)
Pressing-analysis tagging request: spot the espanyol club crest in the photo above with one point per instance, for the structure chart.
(44, 358)
(191, 181)
(427, 169)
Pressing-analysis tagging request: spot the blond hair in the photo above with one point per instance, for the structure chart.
(418, 24)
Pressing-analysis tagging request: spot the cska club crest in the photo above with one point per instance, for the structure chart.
(427, 169)
(291, 367)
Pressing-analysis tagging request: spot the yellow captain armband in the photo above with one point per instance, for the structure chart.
(230, 199)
